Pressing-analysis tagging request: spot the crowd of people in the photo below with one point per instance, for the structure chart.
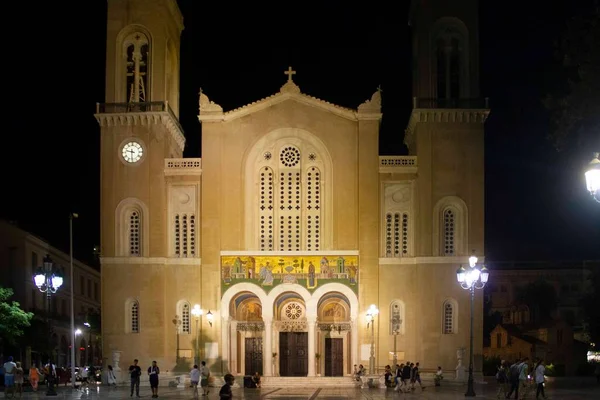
(521, 376)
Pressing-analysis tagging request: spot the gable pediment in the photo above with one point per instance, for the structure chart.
(212, 112)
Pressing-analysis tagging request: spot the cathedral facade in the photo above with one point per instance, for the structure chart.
(291, 225)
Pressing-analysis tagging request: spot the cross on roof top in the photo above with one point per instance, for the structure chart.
(379, 89)
(289, 73)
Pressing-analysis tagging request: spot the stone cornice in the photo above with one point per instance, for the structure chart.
(457, 260)
(183, 166)
(212, 112)
(290, 253)
(150, 261)
(144, 118)
(442, 115)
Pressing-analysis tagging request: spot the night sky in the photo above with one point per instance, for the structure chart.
(537, 207)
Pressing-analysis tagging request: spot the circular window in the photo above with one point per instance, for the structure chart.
(290, 156)
(293, 311)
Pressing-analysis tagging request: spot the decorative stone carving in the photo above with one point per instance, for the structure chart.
(183, 199)
(373, 105)
(339, 327)
(292, 326)
(290, 87)
(250, 326)
(208, 106)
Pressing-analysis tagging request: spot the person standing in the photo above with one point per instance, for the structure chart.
(524, 377)
(153, 373)
(195, 379)
(19, 374)
(225, 392)
(135, 372)
(9, 376)
(205, 374)
(539, 371)
(34, 377)
(502, 380)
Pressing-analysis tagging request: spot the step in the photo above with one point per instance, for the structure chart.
(303, 381)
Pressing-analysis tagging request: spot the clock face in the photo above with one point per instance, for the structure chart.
(132, 152)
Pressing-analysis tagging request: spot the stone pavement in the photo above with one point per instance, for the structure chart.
(567, 390)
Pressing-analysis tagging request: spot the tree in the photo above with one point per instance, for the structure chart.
(575, 107)
(541, 299)
(12, 318)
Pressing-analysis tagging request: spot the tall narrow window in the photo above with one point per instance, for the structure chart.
(396, 235)
(404, 234)
(266, 209)
(135, 317)
(185, 318)
(448, 323)
(389, 236)
(192, 235)
(313, 209)
(289, 199)
(134, 233)
(177, 235)
(448, 65)
(449, 230)
(136, 68)
(184, 235)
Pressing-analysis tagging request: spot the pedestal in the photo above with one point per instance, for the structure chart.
(116, 359)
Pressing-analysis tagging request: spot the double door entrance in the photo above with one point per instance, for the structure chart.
(293, 351)
(334, 357)
(254, 356)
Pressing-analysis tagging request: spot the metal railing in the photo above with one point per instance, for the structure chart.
(477, 103)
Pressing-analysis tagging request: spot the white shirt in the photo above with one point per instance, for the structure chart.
(205, 371)
(195, 375)
(8, 367)
(539, 374)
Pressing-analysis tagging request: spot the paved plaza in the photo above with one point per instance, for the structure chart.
(568, 389)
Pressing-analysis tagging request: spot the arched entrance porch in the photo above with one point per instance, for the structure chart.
(292, 327)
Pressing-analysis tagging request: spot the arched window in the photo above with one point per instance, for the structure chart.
(131, 228)
(132, 316)
(183, 310)
(288, 199)
(451, 219)
(397, 318)
(136, 48)
(451, 59)
(449, 314)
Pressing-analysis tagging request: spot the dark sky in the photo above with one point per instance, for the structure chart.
(537, 207)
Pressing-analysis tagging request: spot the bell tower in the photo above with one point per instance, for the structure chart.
(139, 130)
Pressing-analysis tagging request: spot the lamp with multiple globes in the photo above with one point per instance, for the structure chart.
(471, 278)
(48, 280)
(592, 177)
(372, 312)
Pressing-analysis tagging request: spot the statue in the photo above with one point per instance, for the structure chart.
(461, 371)
(116, 358)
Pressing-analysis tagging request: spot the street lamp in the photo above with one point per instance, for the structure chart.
(75, 334)
(209, 317)
(371, 314)
(88, 356)
(177, 322)
(474, 277)
(197, 313)
(48, 280)
(592, 177)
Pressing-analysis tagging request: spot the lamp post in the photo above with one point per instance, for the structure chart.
(592, 177)
(197, 313)
(371, 314)
(72, 290)
(474, 277)
(88, 355)
(177, 323)
(75, 334)
(48, 280)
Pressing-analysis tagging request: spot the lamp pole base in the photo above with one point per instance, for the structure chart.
(470, 390)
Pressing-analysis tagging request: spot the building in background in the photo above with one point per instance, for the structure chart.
(21, 253)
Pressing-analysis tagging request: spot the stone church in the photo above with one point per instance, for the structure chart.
(291, 225)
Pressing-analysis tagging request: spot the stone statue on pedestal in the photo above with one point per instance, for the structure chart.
(461, 371)
(116, 358)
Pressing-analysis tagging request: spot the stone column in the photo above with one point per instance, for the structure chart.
(225, 328)
(233, 339)
(311, 347)
(268, 348)
(354, 342)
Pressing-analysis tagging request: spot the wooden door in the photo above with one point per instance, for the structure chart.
(334, 357)
(254, 356)
(293, 351)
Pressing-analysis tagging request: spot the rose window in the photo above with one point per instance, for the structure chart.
(293, 311)
(290, 156)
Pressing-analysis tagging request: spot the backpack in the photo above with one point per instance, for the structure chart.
(514, 372)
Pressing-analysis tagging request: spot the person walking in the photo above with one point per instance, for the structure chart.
(19, 374)
(9, 376)
(502, 380)
(34, 377)
(195, 379)
(539, 371)
(204, 375)
(135, 372)
(513, 377)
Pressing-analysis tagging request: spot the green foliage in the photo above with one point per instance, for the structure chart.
(540, 297)
(12, 318)
(576, 108)
(555, 370)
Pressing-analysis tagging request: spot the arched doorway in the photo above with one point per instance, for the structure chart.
(245, 310)
(291, 325)
(333, 336)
